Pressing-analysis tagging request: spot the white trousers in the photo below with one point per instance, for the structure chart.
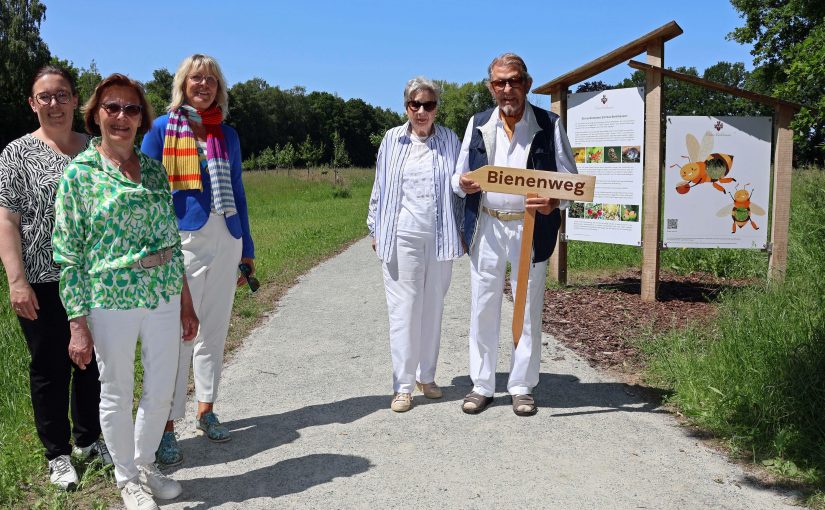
(211, 256)
(416, 283)
(498, 242)
(115, 334)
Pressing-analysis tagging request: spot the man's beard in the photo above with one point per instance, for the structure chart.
(512, 110)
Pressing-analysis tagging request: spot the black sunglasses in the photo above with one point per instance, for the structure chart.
(428, 105)
(130, 110)
(253, 282)
(514, 82)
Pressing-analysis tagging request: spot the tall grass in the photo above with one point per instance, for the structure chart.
(295, 223)
(758, 377)
(586, 257)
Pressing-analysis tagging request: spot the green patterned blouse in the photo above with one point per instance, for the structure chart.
(104, 223)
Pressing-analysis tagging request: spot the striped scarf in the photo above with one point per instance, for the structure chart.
(182, 160)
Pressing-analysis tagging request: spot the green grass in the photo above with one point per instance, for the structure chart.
(584, 258)
(757, 377)
(296, 222)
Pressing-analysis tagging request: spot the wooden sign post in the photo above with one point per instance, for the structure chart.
(531, 184)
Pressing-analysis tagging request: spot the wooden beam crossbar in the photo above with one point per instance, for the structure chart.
(664, 33)
(721, 87)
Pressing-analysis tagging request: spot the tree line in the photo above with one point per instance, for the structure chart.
(294, 128)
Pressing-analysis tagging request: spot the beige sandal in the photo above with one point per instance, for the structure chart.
(430, 390)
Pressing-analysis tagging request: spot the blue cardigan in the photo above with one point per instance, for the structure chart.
(192, 207)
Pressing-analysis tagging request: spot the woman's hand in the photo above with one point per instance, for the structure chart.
(81, 345)
(24, 300)
(544, 205)
(188, 318)
(251, 263)
(373, 244)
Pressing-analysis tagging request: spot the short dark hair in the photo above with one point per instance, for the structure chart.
(114, 80)
(54, 69)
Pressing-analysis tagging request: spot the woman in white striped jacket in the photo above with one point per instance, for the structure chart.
(413, 220)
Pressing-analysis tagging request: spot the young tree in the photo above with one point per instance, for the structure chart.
(310, 153)
(340, 157)
(287, 156)
(266, 159)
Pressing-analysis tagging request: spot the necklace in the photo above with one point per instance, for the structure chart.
(133, 174)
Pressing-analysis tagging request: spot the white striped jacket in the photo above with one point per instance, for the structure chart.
(385, 201)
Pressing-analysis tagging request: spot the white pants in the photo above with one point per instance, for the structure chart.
(416, 283)
(211, 256)
(115, 334)
(498, 242)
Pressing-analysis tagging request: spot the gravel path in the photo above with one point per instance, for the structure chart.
(307, 398)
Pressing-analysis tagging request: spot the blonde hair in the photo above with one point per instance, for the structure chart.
(190, 63)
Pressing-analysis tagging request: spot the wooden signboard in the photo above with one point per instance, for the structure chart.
(531, 183)
(517, 181)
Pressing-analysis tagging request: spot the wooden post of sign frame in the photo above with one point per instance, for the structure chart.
(781, 202)
(651, 210)
(558, 260)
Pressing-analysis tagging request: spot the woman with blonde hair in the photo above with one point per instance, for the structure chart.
(202, 156)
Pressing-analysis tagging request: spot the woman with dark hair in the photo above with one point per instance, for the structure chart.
(202, 156)
(116, 238)
(30, 168)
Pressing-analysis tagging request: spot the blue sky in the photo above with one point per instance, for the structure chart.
(369, 49)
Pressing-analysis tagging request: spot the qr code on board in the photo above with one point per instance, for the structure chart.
(672, 223)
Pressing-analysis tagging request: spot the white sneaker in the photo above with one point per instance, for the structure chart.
(96, 449)
(62, 473)
(135, 498)
(158, 484)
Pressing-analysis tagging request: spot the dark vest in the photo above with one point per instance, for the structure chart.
(542, 156)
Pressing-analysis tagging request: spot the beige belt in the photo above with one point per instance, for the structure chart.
(157, 258)
(504, 215)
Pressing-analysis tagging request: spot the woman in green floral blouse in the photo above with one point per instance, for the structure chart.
(122, 277)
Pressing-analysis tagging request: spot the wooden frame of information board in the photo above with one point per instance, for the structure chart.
(782, 159)
(654, 44)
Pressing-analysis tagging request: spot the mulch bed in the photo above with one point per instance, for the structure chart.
(600, 320)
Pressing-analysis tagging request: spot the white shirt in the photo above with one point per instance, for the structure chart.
(513, 153)
(418, 190)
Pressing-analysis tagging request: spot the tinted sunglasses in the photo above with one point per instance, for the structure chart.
(253, 282)
(130, 110)
(514, 82)
(45, 98)
(428, 105)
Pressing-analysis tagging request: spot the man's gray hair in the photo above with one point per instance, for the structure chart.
(421, 83)
(510, 60)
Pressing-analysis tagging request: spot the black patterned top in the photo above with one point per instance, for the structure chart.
(29, 173)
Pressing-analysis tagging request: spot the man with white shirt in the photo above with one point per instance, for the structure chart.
(513, 134)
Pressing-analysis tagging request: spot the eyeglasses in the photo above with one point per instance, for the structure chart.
(428, 105)
(514, 82)
(45, 98)
(200, 78)
(130, 110)
(253, 282)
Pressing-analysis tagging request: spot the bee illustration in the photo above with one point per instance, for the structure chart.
(742, 209)
(704, 166)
